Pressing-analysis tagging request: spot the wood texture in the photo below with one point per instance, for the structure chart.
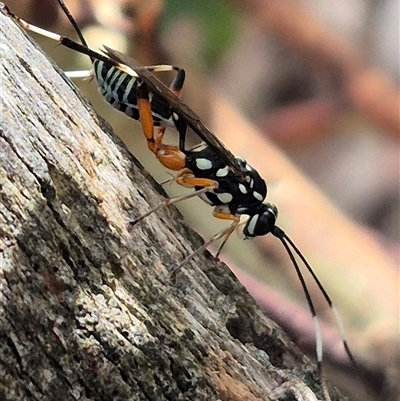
(88, 308)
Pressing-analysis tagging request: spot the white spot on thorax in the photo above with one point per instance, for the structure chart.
(225, 197)
(223, 172)
(258, 196)
(248, 167)
(203, 164)
(242, 189)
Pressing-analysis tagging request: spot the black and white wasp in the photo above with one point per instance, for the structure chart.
(226, 182)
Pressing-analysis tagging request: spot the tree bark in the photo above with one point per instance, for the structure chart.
(89, 310)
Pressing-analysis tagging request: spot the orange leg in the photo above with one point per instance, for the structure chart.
(221, 214)
(169, 155)
(187, 179)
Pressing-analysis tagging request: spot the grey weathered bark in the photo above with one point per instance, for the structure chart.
(88, 307)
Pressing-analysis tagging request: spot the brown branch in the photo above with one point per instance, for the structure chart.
(362, 86)
(89, 309)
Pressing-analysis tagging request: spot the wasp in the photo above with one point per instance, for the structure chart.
(225, 182)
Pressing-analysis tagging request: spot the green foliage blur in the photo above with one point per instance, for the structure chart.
(217, 21)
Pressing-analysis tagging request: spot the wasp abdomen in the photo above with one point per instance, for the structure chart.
(120, 90)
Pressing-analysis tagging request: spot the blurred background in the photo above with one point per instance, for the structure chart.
(308, 92)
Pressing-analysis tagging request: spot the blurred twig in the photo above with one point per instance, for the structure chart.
(363, 87)
(300, 123)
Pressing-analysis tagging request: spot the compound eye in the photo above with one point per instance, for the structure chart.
(261, 223)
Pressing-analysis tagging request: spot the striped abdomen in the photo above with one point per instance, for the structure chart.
(120, 90)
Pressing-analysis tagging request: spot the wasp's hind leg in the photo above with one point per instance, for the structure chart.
(179, 80)
(84, 74)
(176, 88)
(169, 156)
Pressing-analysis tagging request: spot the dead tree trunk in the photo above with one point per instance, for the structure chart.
(88, 307)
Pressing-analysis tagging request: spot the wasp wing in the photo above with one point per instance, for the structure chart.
(177, 106)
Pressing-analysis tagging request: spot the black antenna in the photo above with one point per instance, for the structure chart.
(287, 243)
(73, 22)
(279, 233)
